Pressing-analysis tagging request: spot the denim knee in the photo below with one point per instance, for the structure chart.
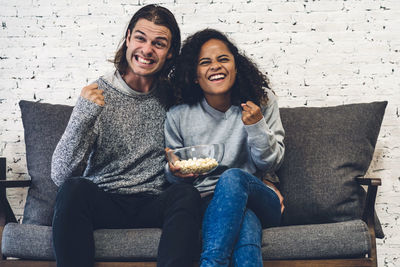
(232, 178)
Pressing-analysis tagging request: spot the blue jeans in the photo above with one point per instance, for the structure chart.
(232, 225)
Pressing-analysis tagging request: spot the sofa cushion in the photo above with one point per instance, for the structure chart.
(346, 239)
(35, 242)
(43, 126)
(326, 149)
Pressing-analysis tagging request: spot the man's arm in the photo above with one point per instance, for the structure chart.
(79, 136)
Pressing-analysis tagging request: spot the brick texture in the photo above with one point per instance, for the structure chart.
(315, 52)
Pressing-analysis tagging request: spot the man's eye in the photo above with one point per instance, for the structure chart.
(139, 38)
(160, 44)
(225, 59)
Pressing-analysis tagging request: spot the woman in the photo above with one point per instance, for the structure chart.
(226, 99)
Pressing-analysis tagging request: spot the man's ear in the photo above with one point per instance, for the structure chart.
(128, 38)
(169, 55)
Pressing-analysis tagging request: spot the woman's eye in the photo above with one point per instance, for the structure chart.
(204, 62)
(225, 59)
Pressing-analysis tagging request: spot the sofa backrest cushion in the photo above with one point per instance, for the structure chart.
(326, 149)
(43, 126)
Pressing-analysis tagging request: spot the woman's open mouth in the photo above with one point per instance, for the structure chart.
(217, 77)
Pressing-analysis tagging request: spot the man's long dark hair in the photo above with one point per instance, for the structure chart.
(250, 83)
(160, 16)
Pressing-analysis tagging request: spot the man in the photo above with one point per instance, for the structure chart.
(116, 130)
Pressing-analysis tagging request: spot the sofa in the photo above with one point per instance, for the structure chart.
(329, 219)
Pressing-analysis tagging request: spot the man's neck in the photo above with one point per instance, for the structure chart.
(138, 83)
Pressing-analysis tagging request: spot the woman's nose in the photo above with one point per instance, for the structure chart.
(215, 66)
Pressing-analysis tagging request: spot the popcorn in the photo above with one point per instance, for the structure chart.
(195, 165)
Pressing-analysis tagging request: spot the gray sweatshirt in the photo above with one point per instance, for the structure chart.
(257, 148)
(121, 144)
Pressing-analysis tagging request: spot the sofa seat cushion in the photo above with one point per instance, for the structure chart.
(348, 239)
(344, 239)
(28, 241)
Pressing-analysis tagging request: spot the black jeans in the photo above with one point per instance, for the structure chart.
(81, 207)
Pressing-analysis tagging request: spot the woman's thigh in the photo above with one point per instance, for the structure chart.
(260, 198)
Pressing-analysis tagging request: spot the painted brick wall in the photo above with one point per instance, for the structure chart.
(316, 53)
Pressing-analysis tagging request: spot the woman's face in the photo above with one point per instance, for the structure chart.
(216, 69)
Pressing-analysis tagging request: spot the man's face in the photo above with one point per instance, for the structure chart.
(148, 47)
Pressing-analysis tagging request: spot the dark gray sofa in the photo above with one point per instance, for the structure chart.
(329, 218)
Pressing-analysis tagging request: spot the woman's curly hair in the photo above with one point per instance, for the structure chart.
(250, 83)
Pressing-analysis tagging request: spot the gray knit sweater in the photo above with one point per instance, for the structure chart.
(121, 144)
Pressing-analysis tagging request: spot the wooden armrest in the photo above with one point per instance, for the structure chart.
(369, 181)
(369, 208)
(6, 213)
(15, 183)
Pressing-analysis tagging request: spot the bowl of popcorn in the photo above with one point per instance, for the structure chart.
(201, 159)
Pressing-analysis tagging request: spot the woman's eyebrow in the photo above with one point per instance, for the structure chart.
(204, 58)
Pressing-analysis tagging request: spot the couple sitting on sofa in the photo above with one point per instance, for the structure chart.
(113, 148)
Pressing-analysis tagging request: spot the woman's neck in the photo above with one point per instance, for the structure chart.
(219, 102)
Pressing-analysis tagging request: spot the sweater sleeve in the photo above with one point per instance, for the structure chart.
(76, 142)
(173, 140)
(265, 138)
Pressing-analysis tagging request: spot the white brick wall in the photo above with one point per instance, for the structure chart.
(316, 53)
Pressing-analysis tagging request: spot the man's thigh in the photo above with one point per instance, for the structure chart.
(155, 209)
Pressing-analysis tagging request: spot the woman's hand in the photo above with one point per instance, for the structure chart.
(251, 113)
(176, 170)
(277, 192)
(93, 93)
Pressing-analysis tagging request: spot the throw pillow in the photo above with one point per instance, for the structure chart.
(43, 126)
(326, 149)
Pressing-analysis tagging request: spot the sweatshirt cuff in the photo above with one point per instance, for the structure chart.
(258, 133)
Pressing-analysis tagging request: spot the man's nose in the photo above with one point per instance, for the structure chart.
(147, 49)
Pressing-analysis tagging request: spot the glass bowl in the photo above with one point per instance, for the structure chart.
(201, 159)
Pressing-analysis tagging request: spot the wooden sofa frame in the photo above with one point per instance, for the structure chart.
(7, 215)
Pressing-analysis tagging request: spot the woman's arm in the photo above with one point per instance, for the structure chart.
(174, 140)
(265, 138)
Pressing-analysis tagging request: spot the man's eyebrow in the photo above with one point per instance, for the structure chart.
(157, 38)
